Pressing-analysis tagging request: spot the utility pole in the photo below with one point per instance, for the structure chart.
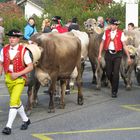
(131, 12)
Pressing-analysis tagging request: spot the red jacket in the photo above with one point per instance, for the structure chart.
(117, 40)
(18, 62)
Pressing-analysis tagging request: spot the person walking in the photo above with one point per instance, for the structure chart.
(29, 29)
(16, 62)
(113, 42)
(74, 25)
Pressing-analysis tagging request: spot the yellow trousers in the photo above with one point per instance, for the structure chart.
(15, 88)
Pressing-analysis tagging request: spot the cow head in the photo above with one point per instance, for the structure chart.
(42, 77)
(90, 24)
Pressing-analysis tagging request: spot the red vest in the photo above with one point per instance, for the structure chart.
(117, 40)
(18, 63)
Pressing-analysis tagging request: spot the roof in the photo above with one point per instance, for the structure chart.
(10, 8)
(39, 3)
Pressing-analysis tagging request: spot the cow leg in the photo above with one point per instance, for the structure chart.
(51, 108)
(29, 101)
(104, 80)
(128, 76)
(35, 91)
(82, 66)
(93, 70)
(67, 86)
(98, 74)
(80, 99)
(63, 89)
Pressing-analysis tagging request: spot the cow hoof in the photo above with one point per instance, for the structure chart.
(98, 87)
(57, 99)
(62, 106)
(35, 104)
(128, 87)
(51, 110)
(80, 101)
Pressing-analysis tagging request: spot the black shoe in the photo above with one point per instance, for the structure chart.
(24, 126)
(67, 92)
(6, 131)
(114, 95)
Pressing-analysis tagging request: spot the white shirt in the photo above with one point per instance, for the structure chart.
(12, 52)
(113, 34)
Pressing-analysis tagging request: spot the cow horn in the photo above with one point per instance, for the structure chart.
(36, 51)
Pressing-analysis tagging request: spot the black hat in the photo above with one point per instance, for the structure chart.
(114, 21)
(14, 32)
(56, 18)
(74, 20)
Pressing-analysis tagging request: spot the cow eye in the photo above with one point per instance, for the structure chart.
(85, 23)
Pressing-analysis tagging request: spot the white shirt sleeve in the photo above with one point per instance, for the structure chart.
(1, 56)
(104, 37)
(27, 58)
(123, 38)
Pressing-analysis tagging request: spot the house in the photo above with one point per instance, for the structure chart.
(31, 7)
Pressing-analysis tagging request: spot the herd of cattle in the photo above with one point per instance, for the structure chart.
(60, 57)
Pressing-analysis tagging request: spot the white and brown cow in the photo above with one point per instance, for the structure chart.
(132, 41)
(60, 54)
(95, 36)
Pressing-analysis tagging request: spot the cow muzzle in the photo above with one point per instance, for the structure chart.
(138, 69)
(42, 77)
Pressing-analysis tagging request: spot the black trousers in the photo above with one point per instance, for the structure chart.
(113, 62)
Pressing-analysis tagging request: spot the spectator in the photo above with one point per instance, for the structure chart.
(1, 33)
(29, 29)
(58, 25)
(131, 26)
(68, 23)
(101, 23)
(74, 25)
(46, 28)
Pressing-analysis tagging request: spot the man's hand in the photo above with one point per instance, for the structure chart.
(129, 61)
(99, 58)
(14, 76)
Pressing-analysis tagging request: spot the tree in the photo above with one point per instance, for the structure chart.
(84, 9)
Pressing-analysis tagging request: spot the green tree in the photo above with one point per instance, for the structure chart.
(84, 9)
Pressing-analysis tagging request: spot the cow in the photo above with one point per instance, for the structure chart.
(125, 69)
(133, 43)
(95, 36)
(60, 54)
(83, 37)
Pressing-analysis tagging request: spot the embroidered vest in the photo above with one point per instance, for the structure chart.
(117, 40)
(18, 63)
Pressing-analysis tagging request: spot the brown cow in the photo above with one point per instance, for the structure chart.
(61, 53)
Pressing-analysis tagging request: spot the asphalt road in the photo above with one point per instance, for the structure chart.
(100, 118)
